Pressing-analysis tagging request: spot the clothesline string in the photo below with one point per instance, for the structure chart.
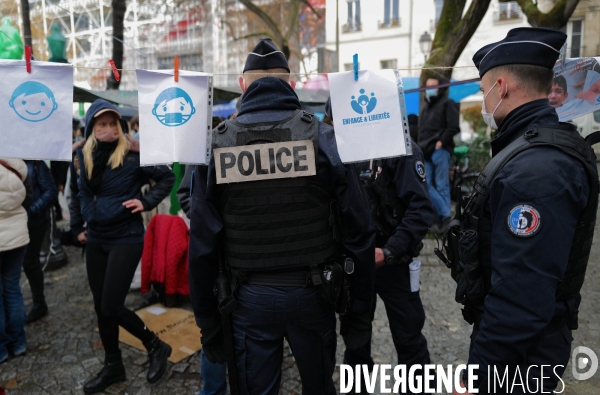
(308, 74)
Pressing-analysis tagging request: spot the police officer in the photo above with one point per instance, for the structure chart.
(520, 252)
(402, 213)
(277, 236)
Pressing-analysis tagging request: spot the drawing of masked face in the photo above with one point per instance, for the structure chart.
(174, 112)
(35, 107)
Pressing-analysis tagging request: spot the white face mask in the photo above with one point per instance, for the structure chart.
(487, 117)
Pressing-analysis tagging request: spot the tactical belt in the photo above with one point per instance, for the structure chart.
(302, 260)
(297, 278)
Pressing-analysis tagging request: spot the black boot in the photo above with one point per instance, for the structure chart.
(158, 352)
(112, 372)
(38, 311)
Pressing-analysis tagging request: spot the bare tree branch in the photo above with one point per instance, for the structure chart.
(557, 17)
(266, 19)
(452, 24)
(293, 20)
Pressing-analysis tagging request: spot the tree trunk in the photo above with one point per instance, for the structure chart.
(452, 35)
(557, 17)
(26, 24)
(280, 40)
(118, 10)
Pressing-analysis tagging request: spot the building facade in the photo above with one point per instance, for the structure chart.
(388, 32)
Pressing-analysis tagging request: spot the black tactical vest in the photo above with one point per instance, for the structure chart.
(478, 279)
(276, 224)
(387, 209)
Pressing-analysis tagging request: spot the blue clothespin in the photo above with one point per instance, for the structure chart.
(355, 60)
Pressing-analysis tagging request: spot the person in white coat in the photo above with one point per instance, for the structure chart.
(14, 238)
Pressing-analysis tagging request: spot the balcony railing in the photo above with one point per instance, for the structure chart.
(392, 23)
(351, 28)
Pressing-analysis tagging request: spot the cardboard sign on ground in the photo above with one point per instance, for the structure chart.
(177, 327)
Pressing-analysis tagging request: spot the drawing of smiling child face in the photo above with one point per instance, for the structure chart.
(173, 107)
(33, 101)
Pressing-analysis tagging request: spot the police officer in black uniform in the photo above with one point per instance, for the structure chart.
(402, 213)
(520, 252)
(277, 236)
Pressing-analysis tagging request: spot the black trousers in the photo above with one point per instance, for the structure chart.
(406, 318)
(110, 269)
(264, 317)
(31, 264)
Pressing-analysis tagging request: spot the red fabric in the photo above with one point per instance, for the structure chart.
(165, 257)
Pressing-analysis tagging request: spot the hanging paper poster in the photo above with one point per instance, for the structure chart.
(369, 115)
(175, 117)
(575, 88)
(36, 110)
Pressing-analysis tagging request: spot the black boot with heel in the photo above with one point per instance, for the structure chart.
(112, 372)
(158, 352)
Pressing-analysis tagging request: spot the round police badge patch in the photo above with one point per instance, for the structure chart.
(524, 220)
(420, 168)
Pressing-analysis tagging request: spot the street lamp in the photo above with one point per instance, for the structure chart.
(425, 44)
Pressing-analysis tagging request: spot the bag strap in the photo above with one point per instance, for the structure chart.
(5, 164)
(593, 138)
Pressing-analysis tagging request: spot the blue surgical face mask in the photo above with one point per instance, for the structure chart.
(78, 138)
(431, 92)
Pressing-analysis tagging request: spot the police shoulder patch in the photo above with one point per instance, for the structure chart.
(420, 169)
(524, 220)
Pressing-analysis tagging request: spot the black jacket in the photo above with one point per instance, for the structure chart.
(44, 192)
(108, 221)
(183, 192)
(527, 270)
(266, 100)
(438, 121)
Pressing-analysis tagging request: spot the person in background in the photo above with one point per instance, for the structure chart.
(214, 375)
(107, 180)
(413, 126)
(135, 127)
(38, 223)
(13, 243)
(438, 124)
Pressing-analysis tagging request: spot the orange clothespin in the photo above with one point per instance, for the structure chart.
(115, 70)
(28, 58)
(176, 69)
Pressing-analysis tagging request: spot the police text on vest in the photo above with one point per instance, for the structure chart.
(265, 161)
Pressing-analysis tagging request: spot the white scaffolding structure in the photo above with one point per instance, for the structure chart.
(154, 32)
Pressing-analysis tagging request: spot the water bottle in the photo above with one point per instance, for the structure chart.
(415, 274)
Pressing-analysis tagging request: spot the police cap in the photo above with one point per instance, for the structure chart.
(266, 56)
(536, 46)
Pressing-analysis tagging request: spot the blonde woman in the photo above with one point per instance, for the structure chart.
(107, 198)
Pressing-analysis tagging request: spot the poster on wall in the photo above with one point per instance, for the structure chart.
(36, 110)
(369, 115)
(175, 117)
(575, 88)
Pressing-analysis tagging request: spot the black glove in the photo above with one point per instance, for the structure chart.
(213, 344)
(356, 329)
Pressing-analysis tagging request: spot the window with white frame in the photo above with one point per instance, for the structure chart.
(389, 64)
(350, 66)
(391, 13)
(510, 11)
(353, 23)
(575, 40)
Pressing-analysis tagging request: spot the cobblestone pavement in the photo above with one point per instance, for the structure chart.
(64, 350)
